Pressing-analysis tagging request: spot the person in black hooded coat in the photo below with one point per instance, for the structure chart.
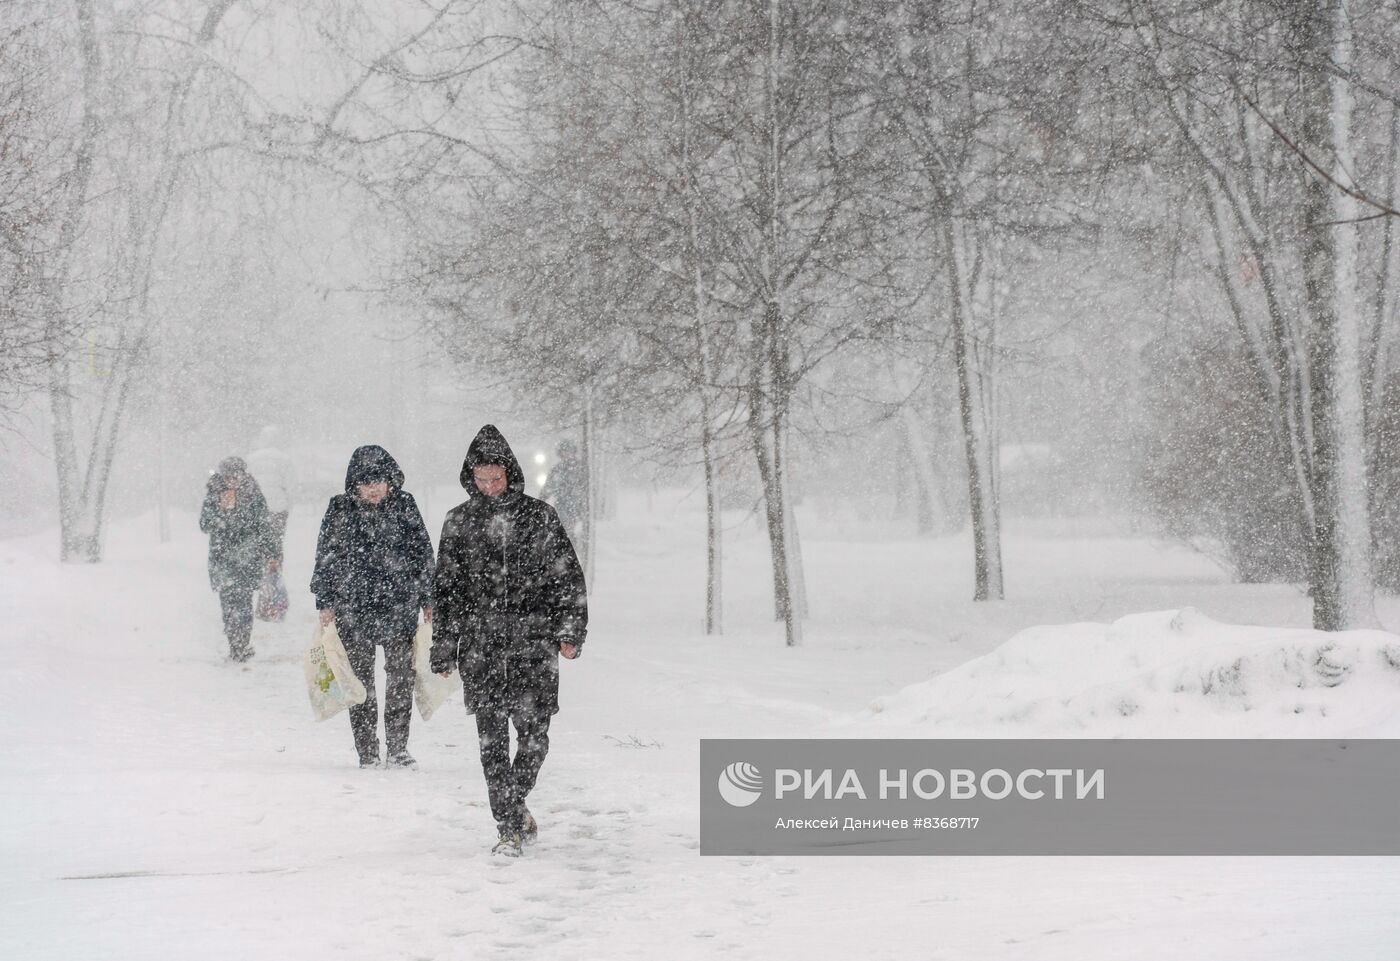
(241, 543)
(510, 599)
(374, 570)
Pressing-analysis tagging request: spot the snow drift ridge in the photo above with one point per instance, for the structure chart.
(1163, 674)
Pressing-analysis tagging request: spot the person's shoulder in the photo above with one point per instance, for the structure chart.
(538, 508)
(458, 515)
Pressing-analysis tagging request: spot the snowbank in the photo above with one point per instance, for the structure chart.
(1163, 674)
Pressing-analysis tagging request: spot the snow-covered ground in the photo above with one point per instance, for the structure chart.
(157, 802)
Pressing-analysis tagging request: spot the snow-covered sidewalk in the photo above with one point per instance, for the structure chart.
(161, 803)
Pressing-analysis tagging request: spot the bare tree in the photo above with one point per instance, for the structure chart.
(33, 180)
(133, 143)
(1260, 101)
(953, 81)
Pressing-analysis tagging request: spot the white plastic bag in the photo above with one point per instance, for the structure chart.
(429, 689)
(330, 682)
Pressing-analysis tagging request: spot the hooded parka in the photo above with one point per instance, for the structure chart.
(241, 540)
(374, 567)
(374, 561)
(509, 590)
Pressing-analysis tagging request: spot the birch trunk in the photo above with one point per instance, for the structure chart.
(767, 434)
(1344, 591)
(77, 541)
(773, 390)
(714, 529)
(986, 533)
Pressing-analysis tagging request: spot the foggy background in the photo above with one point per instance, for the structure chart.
(390, 222)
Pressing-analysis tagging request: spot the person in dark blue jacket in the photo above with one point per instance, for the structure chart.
(374, 573)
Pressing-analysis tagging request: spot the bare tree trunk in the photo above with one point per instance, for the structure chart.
(926, 476)
(768, 435)
(796, 568)
(104, 453)
(1271, 366)
(714, 522)
(768, 410)
(72, 546)
(714, 536)
(588, 457)
(75, 542)
(986, 534)
(714, 527)
(988, 302)
(82, 508)
(1380, 338)
(1343, 596)
(1280, 349)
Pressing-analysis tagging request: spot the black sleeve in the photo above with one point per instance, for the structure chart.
(447, 597)
(421, 546)
(211, 518)
(568, 591)
(326, 575)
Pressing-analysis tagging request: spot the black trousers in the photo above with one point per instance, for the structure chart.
(509, 782)
(360, 638)
(237, 603)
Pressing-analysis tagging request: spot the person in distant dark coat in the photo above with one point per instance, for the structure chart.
(241, 545)
(374, 572)
(510, 599)
(276, 474)
(566, 489)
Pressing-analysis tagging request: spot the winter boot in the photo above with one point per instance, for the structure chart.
(240, 642)
(401, 759)
(529, 828)
(508, 845)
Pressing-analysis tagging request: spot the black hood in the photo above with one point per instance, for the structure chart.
(490, 447)
(372, 463)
